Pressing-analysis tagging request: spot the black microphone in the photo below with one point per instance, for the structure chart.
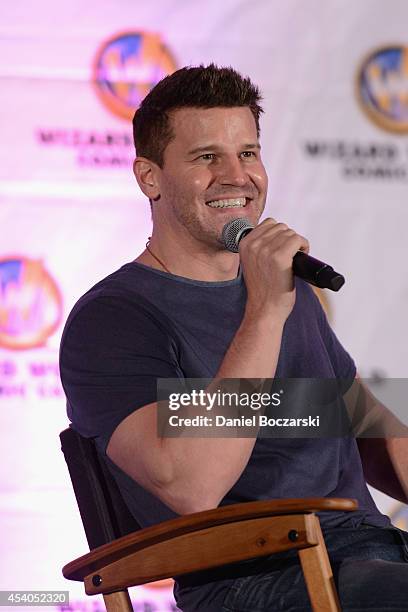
(304, 266)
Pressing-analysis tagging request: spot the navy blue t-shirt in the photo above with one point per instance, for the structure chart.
(140, 324)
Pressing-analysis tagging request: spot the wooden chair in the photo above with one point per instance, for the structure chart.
(124, 555)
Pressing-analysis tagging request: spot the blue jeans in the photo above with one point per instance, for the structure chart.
(370, 568)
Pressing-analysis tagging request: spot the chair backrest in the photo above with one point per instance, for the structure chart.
(104, 513)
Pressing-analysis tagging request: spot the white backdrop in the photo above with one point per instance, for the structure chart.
(70, 202)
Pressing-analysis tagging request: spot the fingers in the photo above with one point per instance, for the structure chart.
(266, 255)
(272, 237)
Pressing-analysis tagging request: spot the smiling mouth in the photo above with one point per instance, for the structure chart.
(230, 203)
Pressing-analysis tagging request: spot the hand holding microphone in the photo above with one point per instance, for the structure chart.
(304, 266)
(270, 254)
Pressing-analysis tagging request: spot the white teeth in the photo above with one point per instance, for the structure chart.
(232, 203)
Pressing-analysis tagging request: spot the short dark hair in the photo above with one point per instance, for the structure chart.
(191, 86)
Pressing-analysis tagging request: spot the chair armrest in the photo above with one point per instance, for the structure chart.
(203, 540)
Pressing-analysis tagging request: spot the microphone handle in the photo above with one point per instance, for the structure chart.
(316, 272)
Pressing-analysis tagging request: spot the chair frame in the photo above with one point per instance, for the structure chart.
(205, 540)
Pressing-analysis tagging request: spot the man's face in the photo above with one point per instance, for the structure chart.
(212, 172)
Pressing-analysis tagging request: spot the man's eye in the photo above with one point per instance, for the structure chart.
(248, 154)
(208, 156)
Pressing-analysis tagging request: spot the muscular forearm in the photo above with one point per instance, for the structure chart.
(397, 449)
(385, 465)
(204, 469)
(382, 441)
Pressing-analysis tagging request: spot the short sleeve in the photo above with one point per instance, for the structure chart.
(342, 363)
(112, 353)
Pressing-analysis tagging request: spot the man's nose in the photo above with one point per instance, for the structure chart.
(232, 172)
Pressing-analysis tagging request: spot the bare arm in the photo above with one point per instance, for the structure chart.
(382, 442)
(385, 465)
(192, 474)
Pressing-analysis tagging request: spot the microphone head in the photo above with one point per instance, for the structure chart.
(233, 231)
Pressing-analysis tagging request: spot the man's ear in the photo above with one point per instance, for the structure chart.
(146, 173)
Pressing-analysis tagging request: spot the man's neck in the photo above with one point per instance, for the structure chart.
(220, 266)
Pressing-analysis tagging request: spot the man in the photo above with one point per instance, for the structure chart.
(188, 308)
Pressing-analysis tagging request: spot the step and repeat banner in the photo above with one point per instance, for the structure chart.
(335, 82)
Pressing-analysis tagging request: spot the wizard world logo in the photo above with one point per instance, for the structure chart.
(126, 67)
(382, 87)
(30, 303)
